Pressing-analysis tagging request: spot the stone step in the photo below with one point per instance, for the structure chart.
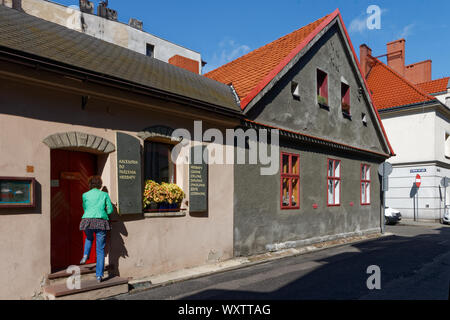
(87, 272)
(89, 290)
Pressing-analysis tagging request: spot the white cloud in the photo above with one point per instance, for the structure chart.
(228, 50)
(406, 31)
(358, 24)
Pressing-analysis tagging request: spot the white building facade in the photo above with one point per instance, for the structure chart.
(420, 138)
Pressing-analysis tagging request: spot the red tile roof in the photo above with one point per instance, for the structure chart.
(389, 89)
(435, 86)
(250, 73)
(255, 69)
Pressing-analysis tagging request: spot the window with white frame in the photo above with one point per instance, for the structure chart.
(334, 182)
(447, 145)
(365, 184)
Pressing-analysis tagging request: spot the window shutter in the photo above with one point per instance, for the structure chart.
(198, 181)
(129, 174)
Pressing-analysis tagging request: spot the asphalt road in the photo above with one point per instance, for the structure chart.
(414, 264)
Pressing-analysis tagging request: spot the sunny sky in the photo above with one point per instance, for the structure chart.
(224, 30)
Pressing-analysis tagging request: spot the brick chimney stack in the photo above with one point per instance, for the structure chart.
(185, 63)
(364, 57)
(419, 72)
(396, 56)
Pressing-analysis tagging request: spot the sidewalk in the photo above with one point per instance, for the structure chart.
(242, 262)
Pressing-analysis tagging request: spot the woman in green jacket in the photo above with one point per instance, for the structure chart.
(97, 208)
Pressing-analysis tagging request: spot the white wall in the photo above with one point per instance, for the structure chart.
(402, 193)
(419, 140)
(412, 136)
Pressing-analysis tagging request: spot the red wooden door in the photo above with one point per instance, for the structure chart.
(70, 172)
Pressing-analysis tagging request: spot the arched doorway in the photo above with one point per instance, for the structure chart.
(74, 158)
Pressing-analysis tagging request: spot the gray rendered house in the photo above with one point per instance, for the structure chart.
(308, 85)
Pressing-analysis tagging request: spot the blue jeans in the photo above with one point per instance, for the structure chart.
(100, 246)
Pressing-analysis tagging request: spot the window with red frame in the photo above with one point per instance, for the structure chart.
(322, 87)
(334, 182)
(365, 184)
(290, 181)
(345, 98)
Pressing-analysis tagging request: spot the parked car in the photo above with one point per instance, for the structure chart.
(446, 219)
(392, 216)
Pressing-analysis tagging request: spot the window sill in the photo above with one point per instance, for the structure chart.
(324, 106)
(289, 208)
(165, 213)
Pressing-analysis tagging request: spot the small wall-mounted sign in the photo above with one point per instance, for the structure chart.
(17, 192)
(417, 170)
(315, 206)
(54, 183)
(30, 169)
(71, 176)
(352, 204)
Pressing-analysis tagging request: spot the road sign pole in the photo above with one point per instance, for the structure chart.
(384, 171)
(417, 206)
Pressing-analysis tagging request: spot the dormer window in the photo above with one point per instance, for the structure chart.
(364, 119)
(345, 98)
(295, 89)
(322, 88)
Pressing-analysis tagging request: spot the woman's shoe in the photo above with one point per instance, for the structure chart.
(83, 261)
(99, 279)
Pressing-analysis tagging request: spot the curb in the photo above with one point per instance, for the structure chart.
(144, 285)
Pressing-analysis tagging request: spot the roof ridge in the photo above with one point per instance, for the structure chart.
(413, 86)
(266, 45)
(439, 79)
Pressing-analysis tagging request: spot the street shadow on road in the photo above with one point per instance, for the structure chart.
(344, 275)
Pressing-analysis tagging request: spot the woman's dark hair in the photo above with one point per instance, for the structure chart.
(95, 182)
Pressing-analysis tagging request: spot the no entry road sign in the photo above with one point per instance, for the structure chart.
(418, 181)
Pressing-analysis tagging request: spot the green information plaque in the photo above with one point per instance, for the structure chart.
(129, 174)
(198, 181)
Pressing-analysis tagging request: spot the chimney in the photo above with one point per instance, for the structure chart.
(396, 56)
(86, 6)
(185, 63)
(136, 24)
(105, 12)
(419, 72)
(364, 57)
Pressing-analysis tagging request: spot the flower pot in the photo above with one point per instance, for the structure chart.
(168, 206)
(153, 206)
